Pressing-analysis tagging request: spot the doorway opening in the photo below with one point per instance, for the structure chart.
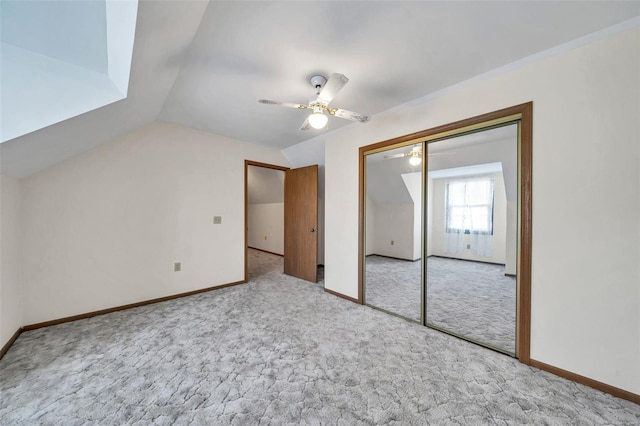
(463, 228)
(283, 203)
(264, 219)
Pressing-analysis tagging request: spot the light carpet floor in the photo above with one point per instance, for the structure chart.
(278, 350)
(472, 299)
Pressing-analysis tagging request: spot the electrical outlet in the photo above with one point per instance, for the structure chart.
(217, 220)
(468, 246)
(177, 267)
(265, 238)
(392, 243)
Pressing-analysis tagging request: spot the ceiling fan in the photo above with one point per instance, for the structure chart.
(326, 90)
(415, 155)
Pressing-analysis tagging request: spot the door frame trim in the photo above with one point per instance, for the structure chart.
(523, 113)
(248, 163)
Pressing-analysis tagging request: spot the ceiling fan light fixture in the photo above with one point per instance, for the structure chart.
(318, 120)
(415, 160)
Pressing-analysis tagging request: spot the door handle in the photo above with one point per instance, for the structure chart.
(313, 229)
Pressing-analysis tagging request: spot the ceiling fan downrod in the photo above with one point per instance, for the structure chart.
(318, 81)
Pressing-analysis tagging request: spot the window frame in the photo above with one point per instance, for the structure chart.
(490, 206)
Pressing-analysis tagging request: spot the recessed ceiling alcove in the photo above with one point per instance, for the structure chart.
(61, 59)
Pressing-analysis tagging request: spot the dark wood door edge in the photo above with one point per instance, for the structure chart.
(11, 341)
(266, 165)
(342, 296)
(266, 251)
(612, 390)
(124, 307)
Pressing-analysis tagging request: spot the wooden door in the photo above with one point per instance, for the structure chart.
(301, 223)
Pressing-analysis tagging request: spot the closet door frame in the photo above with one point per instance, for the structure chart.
(521, 114)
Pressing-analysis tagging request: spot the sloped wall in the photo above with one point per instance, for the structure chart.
(104, 229)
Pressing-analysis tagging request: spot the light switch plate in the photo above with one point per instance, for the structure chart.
(177, 267)
(217, 220)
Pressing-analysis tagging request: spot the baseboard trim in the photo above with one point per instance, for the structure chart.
(266, 251)
(467, 260)
(124, 307)
(395, 258)
(612, 390)
(11, 341)
(342, 296)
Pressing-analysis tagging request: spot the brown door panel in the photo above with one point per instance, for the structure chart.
(301, 223)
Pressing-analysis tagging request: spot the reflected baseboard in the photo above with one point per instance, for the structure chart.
(395, 258)
(466, 260)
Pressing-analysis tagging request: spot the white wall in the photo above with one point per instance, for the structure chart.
(391, 219)
(370, 227)
(265, 209)
(393, 223)
(586, 197)
(417, 231)
(104, 228)
(413, 182)
(266, 227)
(10, 289)
(320, 230)
(498, 239)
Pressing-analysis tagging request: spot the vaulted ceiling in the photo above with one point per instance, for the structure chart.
(204, 64)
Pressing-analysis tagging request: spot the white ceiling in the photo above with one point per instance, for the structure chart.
(60, 59)
(163, 32)
(205, 64)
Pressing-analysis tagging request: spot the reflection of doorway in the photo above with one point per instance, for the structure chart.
(520, 114)
(300, 209)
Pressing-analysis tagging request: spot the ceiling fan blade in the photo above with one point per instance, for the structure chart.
(284, 104)
(405, 154)
(331, 88)
(418, 153)
(305, 125)
(349, 115)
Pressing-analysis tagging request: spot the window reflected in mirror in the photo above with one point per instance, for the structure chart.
(472, 236)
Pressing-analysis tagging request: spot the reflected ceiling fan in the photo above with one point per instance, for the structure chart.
(415, 155)
(326, 90)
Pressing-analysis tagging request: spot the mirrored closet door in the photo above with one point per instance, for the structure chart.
(441, 233)
(472, 201)
(445, 228)
(393, 231)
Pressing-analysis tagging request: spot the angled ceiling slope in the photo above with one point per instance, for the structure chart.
(60, 59)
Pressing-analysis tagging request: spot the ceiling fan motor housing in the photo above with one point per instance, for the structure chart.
(318, 81)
